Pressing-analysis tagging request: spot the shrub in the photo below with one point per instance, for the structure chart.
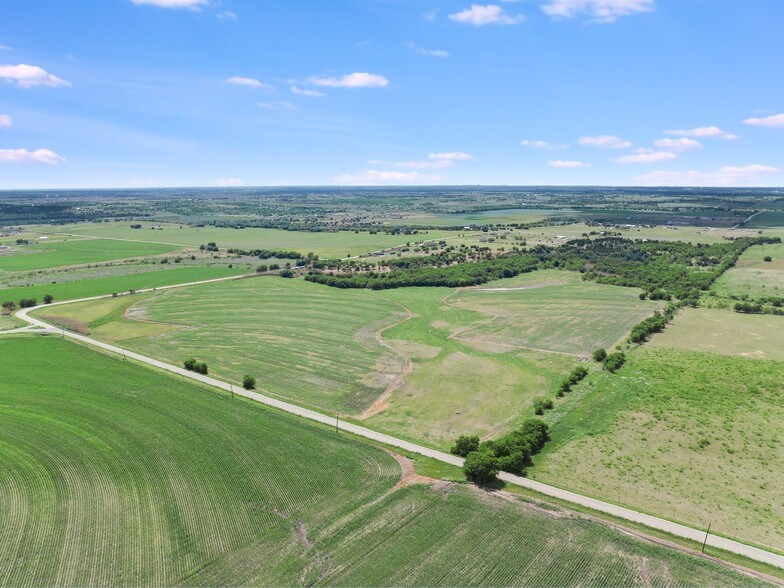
(481, 467)
(599, 355)
(286, 273)
(768, 258)
(614, 361)
(190, 364)
(9, 305)
(249, 382)
(48, 299)
(200, 368)
(28, 302)
(465, 444)
(262, 268)
(541, 404)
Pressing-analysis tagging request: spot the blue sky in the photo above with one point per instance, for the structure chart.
(115, 93)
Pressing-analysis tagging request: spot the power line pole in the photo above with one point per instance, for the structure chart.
(706, 537)
(337, 421)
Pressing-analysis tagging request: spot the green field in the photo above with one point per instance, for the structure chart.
(482, 217)
(324, 244)
(120, 475)
(552, 311)
(753, 276)
(43, 255)
(302, 341)
(767, 219)
(8, 322)
(694, 437)
(759, 336)
(122, 283)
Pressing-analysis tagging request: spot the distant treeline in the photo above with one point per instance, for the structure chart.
(271, 253)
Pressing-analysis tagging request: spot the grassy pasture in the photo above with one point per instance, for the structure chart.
(725, 332)
(482, 217)
(46, 254)
(552, 311)
(323, 244)
(302, 341)
(752, 275)
(8, 322)
(121, 283)
(694, 437)
(768, 219)
(120, 475)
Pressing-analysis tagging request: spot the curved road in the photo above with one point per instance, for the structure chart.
(653, 522)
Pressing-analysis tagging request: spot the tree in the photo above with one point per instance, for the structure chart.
(28, 302)
(768, 258)
(190, 364)
(614, 361)
(200, 368)
(286, 273)
(48, 298)
(481, 467)
(465, 444)
(599, 355)
(249, 382)
(9, 305)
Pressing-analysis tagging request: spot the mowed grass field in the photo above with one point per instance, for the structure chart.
(61, 253)
(121, 283)
(752, 275)
(552, 311)
(457, 388)
(120, 475)
(303, 342)
(726, 332)
(694, 437)
(340, 244)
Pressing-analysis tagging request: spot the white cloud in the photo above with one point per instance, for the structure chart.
(542, 145)
(249, 82)
(427, 52)
(647, 156)
(490, 14)
(726, 176)
(599, 10)
(682, 144)
(354, 80)
(227, 182)
(186, 4)
(227, 15)
(604, 142)
(702, 132)
(6, 121)
(305, 92)
(27, 76)
(433, 161)
(278, 106)
(373, 176)
(451, 156)
(560, 163)
(24, 156)
(4, 48)
(775, 121)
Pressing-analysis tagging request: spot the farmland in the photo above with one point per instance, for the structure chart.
(324, 244)
(144, 479)
(693, 436)
(552, 311)
(753, 276)
(46, 254)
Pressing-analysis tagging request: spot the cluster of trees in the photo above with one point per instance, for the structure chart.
(577, 375)
(28, 302)
(511, 453)
(614, 361)
(211, 246)
(748, 307)
(270, 253)
(136, 226)
(9, 306)
(196, 366)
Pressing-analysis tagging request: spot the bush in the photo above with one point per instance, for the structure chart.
(9, 305)
(190, 364)
(262, 268)
(481, 467)
(767, 258)
(614, 361)
(28, 302)
(599, 355)
(541, 404)
(200, 368)
(286, 273)
(464, 445)
(249, 382)
(48, 299)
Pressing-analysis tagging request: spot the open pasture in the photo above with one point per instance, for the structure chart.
(759, 336)
(76, 289)
(48, 254)
(323, 244)
(303, 342)
(693, 437)
(480, 217)
(120, 475)
(552, 311)
(752, 275)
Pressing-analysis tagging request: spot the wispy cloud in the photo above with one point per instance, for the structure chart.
(489, 14)
(45, 156)
(426, 52)
(283, 105)
(6, 121)
(682, 144)
(433, 161)
(228, 182)
(604, 142)
(775, 121)
(227, 15)
(726, 176)
(5, 48)
(560, 163)
(702, 132)
(181, 4)
(544, 145)
(373, 176)
(306, 92)
(354, 80)
(248, 82)
(646, 156)
(27, 76)
(601, 11)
